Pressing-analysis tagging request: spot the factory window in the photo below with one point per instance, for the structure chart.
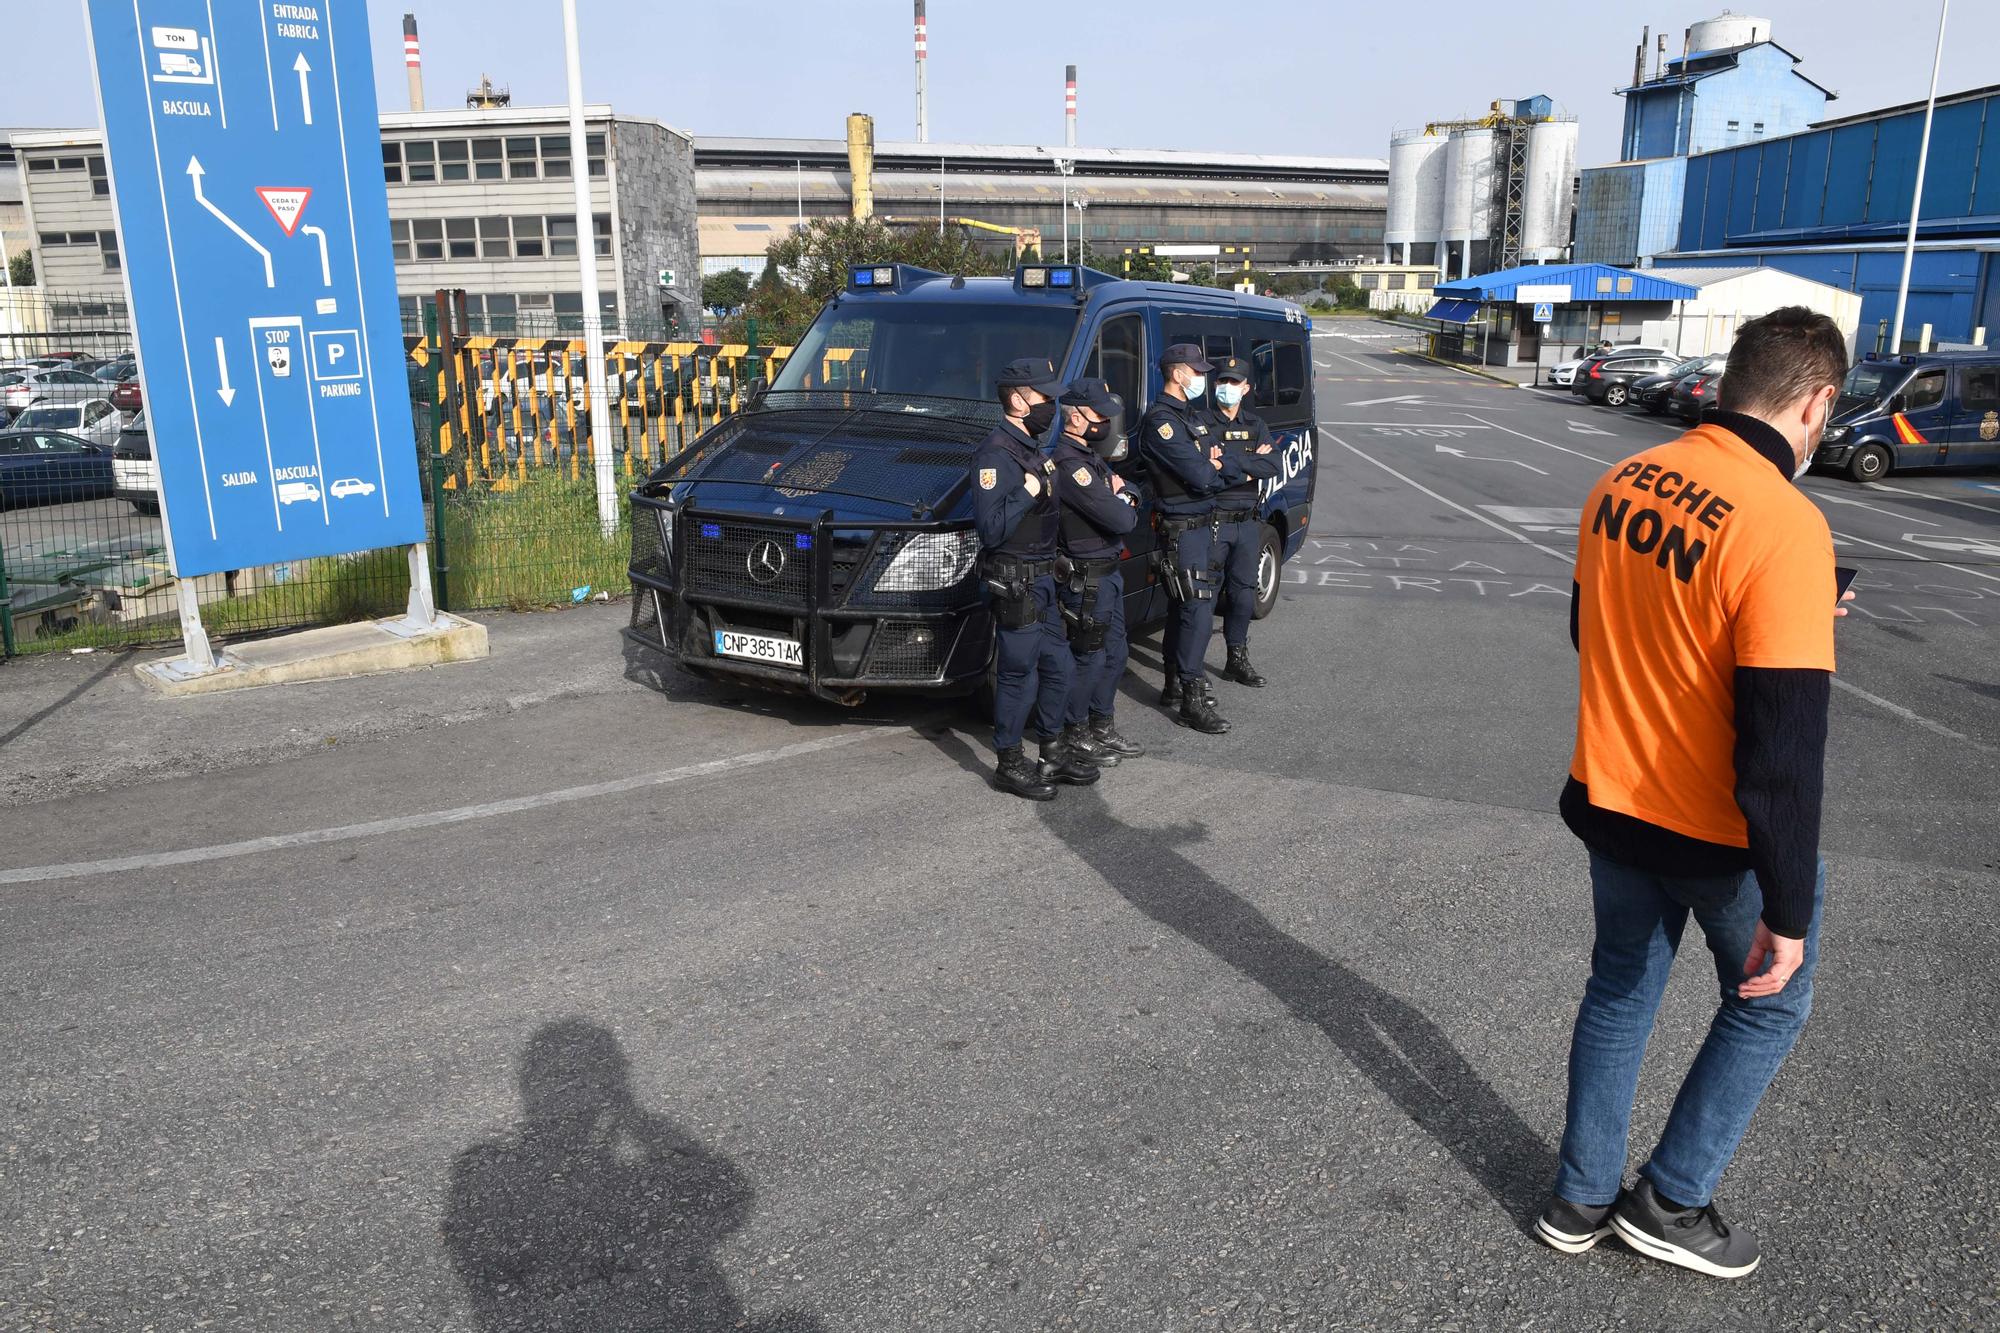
(69, 164)
(53, 238)
(528, 238)
(555, 156)
(460, 238)
(411, 308)
(1604, 285)
(500, 314)
(452, 160)
(493, 238)
(107, 242)
(569, 311)
(1365, 281)
(594, 145)
(428, 234)
(420, 157)
(486, 164)
(562, 237)
(41, 164)
(1756, 127)
(399, 239)
(600, 227)
(1734, 124)
(392, 163)
(1624, 286)
(100, 181)
(521, 158)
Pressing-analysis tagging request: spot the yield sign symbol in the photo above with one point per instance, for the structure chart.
(285, 204)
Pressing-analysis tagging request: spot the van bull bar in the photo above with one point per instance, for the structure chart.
(874, 606)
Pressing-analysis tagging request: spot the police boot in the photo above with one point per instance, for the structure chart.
(1107, 738)
(1060, 765)
(1017, 774)
(1085, 746)
(1198, 709)
(1170, 692)
(1239, 668)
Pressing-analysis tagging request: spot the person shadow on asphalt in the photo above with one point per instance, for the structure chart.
(594, 1214)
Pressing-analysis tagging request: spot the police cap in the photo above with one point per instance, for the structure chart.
(1185, 354)
(1093, 394)
(1030, 372)
(1232, 368)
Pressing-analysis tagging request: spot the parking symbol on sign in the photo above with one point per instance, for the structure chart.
(336, 354)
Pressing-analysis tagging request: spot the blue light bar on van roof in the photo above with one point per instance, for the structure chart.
(872, 276)
(1041, 277)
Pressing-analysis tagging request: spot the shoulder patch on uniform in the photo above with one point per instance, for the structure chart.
(989, 477)
(1081, 476)
(1166, 430)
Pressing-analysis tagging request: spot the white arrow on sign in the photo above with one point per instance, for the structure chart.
(1410, 398)
(1479, 458)
(325, 270)
(195, 172)
(1859, 504)
(227, 394)
(305, 93)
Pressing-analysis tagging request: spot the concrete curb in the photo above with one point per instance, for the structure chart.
(333, 652)
(1463, 370)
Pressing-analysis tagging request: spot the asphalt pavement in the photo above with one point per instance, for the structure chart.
(565, 992)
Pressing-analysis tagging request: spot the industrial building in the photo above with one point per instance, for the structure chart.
(1730, 85)
(1495, 192)
(1273, 211)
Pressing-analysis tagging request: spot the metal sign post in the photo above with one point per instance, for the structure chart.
(254, 224)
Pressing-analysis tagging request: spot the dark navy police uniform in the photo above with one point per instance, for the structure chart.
(1174, 439)
(1247, 448)
(1017, 538)
(1095, 521)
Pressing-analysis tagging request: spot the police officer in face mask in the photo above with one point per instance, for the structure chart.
(1186, 466)
(1248, 447)
(1098, 510)
(1015, 510)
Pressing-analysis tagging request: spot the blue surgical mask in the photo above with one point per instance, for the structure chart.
(1229, 395)
(1196, 386)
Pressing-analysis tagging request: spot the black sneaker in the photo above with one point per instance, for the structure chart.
(1573, 1227)
(1695, 1238)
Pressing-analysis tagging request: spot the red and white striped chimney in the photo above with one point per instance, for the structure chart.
(1069, 104)
(413, 62)
(923, 42)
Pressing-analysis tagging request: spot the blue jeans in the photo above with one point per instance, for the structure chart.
(1093, 690)
(1639, 921)
(1031, 672)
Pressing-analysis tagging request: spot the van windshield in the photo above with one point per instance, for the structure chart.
(1870, 382)
(925, 349)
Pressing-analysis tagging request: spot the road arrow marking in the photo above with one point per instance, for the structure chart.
(305, 93)
(195, 172)
(227, 394)
(325, 270)
(1478, 458)
(1580, 428)
(1861, 504)
(1410, 398)
(285, 203)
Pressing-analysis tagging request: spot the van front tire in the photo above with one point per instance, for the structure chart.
(1869, 463)
(1270, 565)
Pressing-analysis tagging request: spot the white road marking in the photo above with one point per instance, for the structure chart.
(1602, 462)
(1480, 458)
(1915, 719)
(1863, 504)
(1926, 495)
(375, 828)
(1414, 399)
(1403, 425)
(1469, 513)
(1916, 555)
(1584, 428)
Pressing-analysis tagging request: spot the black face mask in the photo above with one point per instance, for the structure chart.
(1040, 417)
(1106, 438)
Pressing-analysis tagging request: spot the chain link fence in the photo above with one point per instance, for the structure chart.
(500, 427)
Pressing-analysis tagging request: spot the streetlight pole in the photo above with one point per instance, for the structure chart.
(586, 263)
(1917, 195)
(1064, 166)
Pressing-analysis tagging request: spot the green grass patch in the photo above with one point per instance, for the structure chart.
(531, 545)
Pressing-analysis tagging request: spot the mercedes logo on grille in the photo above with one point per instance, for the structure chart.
(766, 562)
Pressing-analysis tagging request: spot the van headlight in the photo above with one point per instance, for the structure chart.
(929, 562)
(666, 529)
(1835, 434)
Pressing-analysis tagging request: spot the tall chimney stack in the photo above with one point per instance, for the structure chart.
(861, 164)
(1639, 57)
(1660, 56)
(413, 62)
(1069, 104)
(923, 44)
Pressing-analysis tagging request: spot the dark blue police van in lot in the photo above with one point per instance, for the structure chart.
(1924, 410)
(821, 540)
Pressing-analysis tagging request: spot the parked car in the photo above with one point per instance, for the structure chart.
(128, 394)
(1565, 372)
(1650, 391)
(96, 420)
(135, 477)
(1932, 409)
(1610, 381)
(46, 467)
(117, 372)
(1693, 396)
(27, 388)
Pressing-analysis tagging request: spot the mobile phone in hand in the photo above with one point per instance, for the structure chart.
(1842, 576)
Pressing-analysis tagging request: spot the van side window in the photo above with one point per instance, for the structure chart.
(1211, 336)
(1290, 375)
(1215, 346)
(1980, 391)
(1926, 390)
(1119, 359)
(1263, 392)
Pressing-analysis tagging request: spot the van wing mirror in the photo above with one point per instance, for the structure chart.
(1898, 403)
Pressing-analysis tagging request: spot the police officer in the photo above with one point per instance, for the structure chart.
(1098, 510)
(1015, 510)
(1185, 463)
(1247, 444)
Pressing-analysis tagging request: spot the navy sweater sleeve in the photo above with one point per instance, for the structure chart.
(1781, 723)
(1178, 455)
(1093, 498)
(998, 510)
(1261, 466)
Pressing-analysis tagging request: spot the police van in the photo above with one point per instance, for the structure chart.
(821, 540)
(1934, 409)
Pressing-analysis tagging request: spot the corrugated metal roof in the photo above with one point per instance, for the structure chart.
(1583, 280)
(710, 144)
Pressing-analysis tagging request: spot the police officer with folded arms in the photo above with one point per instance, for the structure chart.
(1098, 510)
(1015, 510)
(1239, 536)
(1185, 464)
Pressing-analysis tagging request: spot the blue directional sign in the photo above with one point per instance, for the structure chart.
(246, 165)
(1545, 312)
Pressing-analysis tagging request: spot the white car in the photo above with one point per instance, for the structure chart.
(347, 486)
(32, 388)
(1564, 373)
(96, 420)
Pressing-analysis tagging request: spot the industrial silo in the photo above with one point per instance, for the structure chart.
(1545, 190)
(1727, 31)
(1468, 194)
(1416, 192)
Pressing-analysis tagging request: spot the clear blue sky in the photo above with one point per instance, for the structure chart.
(1304, 76)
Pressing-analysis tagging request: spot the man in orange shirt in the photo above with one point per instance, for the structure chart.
(1703, 621)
